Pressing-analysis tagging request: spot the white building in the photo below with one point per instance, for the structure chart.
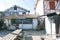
(18, 17)
(43, 7)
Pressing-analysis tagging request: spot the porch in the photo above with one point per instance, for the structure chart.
(21, 21)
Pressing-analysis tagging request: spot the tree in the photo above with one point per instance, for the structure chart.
(1, 24)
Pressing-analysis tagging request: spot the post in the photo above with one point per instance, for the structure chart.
(51, 26)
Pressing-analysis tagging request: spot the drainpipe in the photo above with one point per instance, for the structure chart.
(32, 24)
(22, 24)
(51, 26)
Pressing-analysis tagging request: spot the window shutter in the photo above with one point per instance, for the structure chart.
(52, 5)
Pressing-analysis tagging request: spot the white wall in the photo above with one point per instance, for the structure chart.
(53, 30)
(6, 21)
(20, 26)
(47, 26)
(50, 27)
(9, 21)
(29, 26)
(39, 8)
(35, 22)
(25, 26)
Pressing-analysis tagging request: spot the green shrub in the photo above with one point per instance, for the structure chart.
(12, 21)
(38, 29)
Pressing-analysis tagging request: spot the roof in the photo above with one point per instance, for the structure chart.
(17, 7)
(21, 16)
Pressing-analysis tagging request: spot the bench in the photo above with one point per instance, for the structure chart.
(13, 35)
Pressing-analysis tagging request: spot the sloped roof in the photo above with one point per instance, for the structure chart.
(17, 7)
(21, 16)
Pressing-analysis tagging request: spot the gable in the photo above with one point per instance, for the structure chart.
(16, 9)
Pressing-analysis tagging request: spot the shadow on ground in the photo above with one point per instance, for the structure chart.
(4, 33)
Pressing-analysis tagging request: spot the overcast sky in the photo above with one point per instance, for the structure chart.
(28, 4)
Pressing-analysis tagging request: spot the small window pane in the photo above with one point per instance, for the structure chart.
(24, 13)
(27, 21)
(15, 8)
(20, 21)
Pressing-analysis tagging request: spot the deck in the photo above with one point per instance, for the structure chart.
(6, 35)
(3, 33)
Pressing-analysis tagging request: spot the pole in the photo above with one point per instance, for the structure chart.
(51, 26)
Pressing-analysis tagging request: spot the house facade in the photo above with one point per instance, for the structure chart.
(19, 18)
(44, 7)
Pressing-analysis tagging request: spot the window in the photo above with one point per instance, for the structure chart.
(7, 14)
(27, 21)
(14, 13)
(15, 8)
(20, 13)
(24, 13)
(20, 21)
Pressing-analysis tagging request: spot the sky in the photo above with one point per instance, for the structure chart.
(27, 4)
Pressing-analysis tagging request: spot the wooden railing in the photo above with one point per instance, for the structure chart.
(13, 35)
